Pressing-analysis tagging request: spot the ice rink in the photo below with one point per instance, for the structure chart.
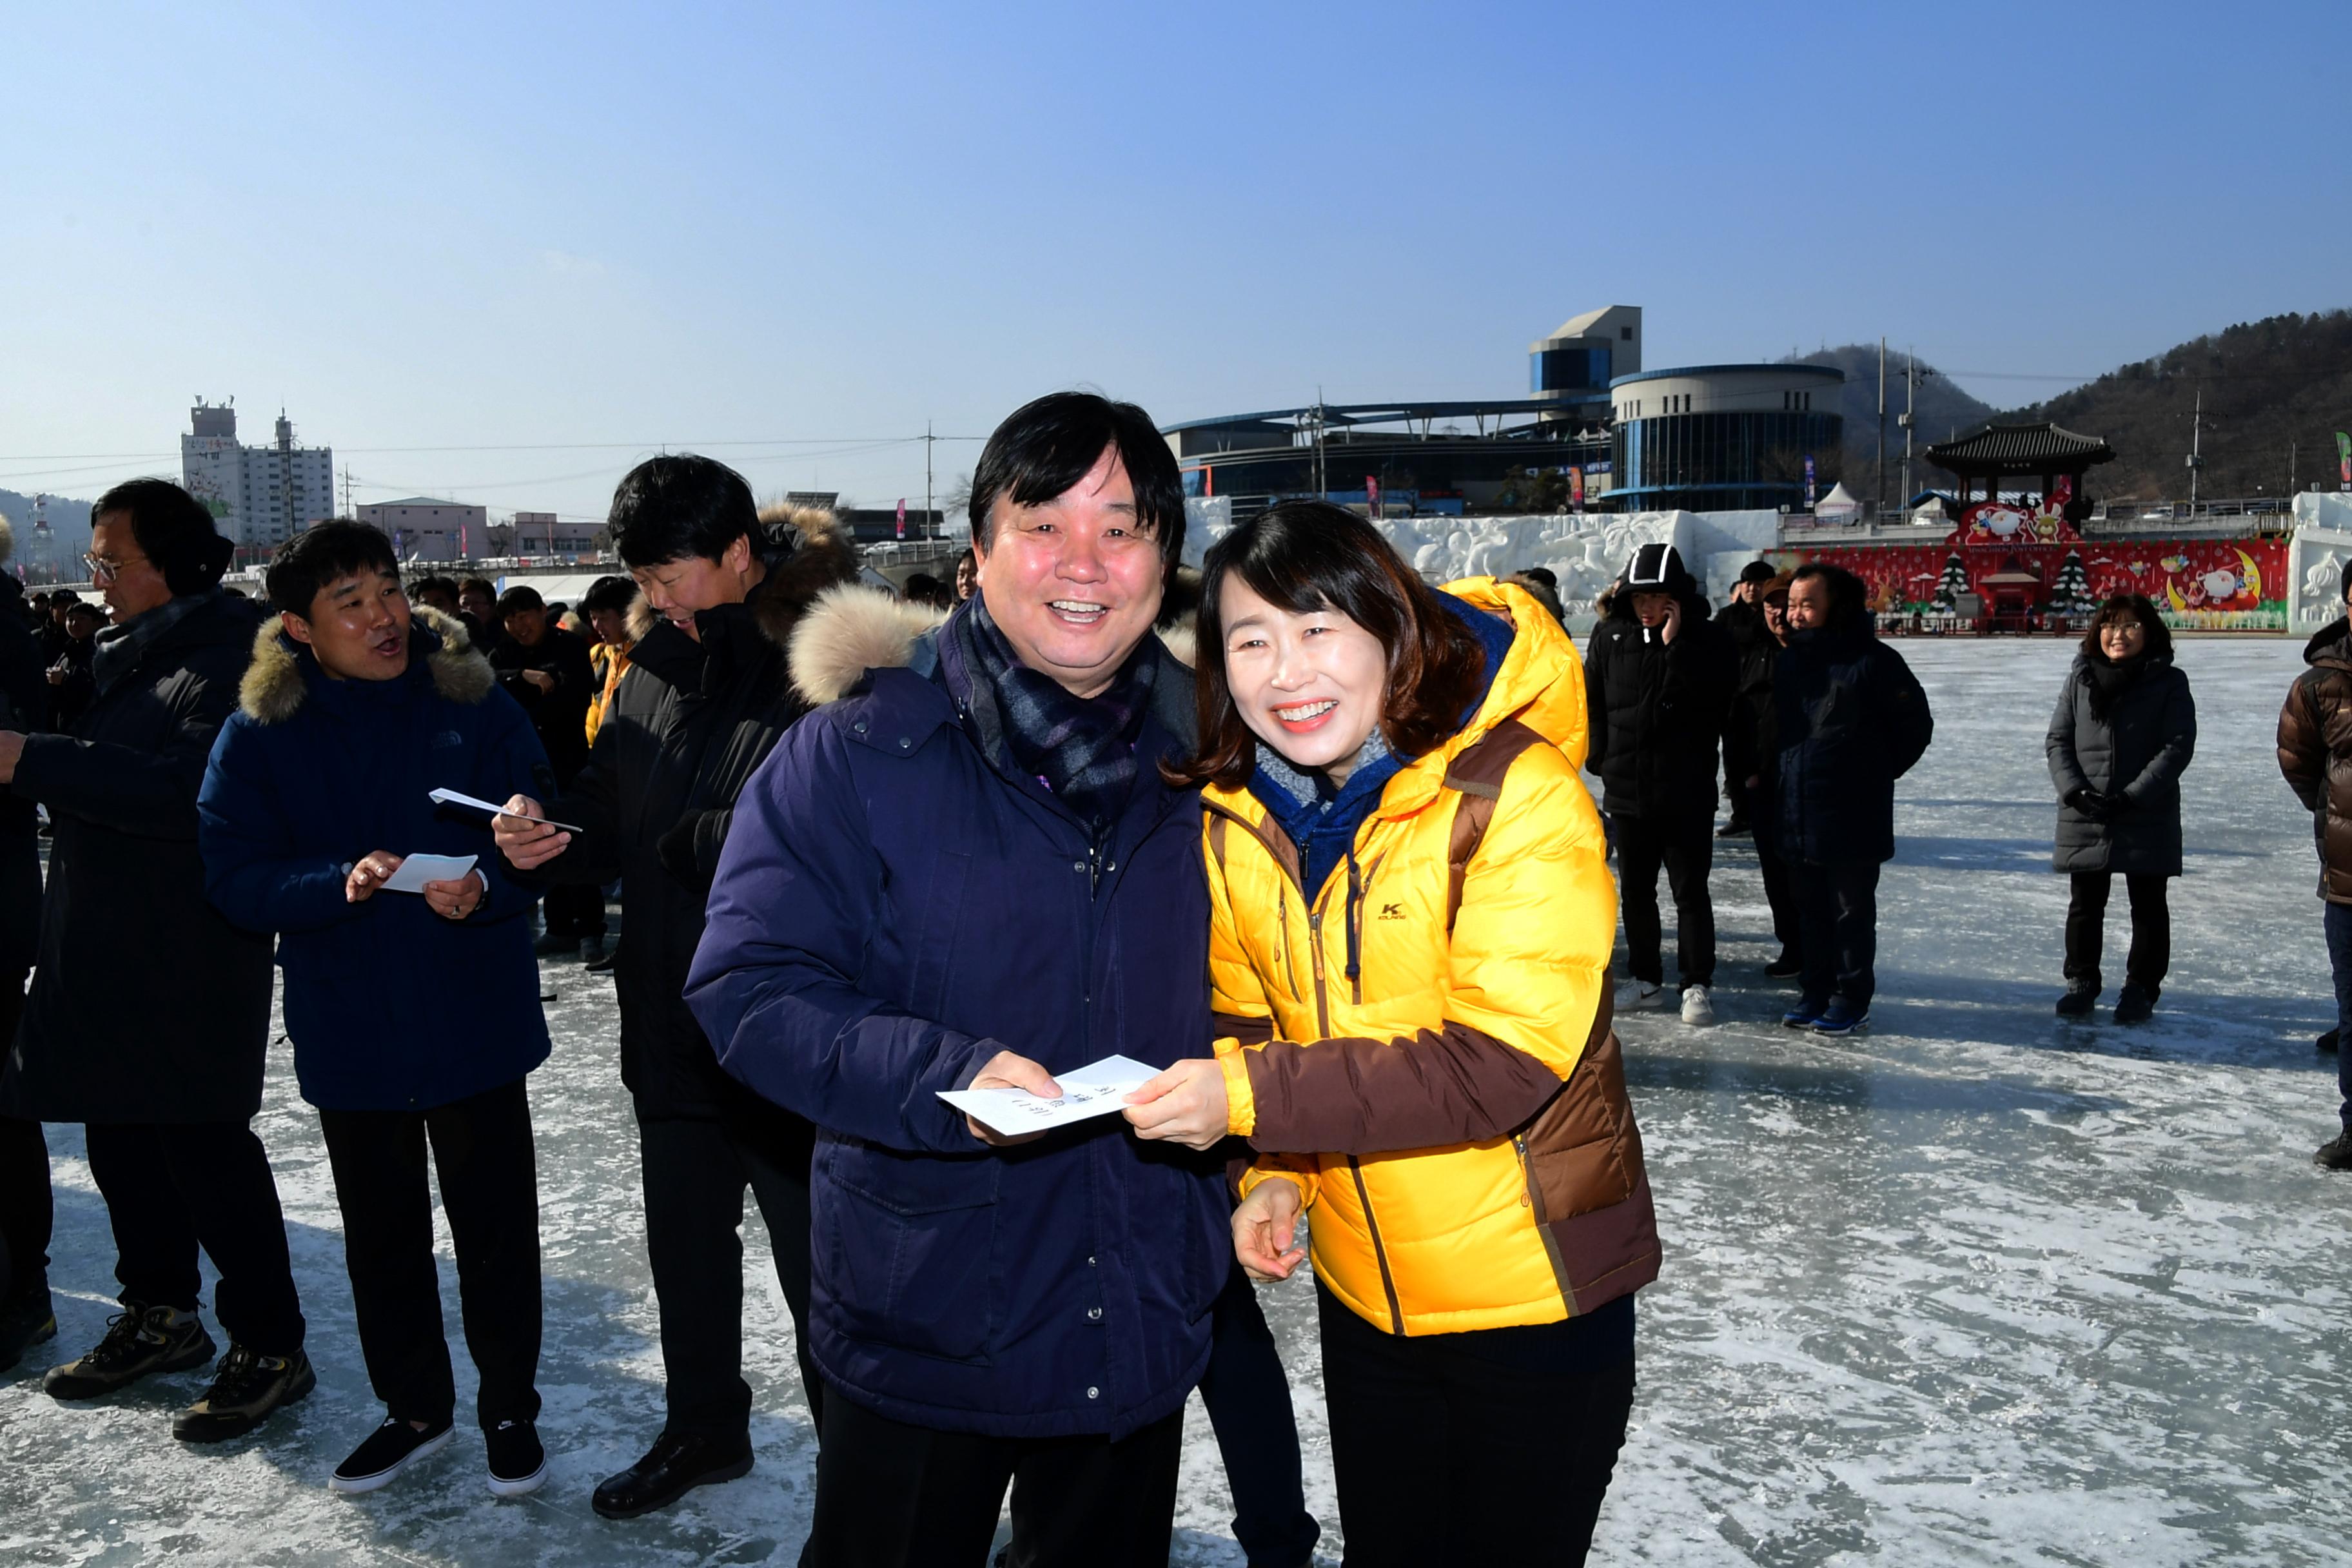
(1976, 1288)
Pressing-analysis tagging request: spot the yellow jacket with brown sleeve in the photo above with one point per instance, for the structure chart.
(1422, 1042)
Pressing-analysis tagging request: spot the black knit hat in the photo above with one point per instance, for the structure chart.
(1756, 571)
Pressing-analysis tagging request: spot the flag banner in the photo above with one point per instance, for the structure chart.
(2344, 457)
(902, 517)
(1808, 483)
(1576, 488)
(1371, 495)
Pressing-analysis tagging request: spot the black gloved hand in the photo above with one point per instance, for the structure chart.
(2090, 802)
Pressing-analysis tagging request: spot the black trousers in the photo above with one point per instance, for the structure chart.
(1780, 891)
(695, 1174)
(27, 1213)
(2151, 930)
(572, 912)
(1489, 1447)
(891, 1495)
(481, 1149)
(1248, 1400)
(1685, 846)
(1837, 919)
(171, 1188)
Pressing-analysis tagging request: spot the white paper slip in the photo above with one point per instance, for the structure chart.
(1095, 1090)
(418, 869)
(451, 798)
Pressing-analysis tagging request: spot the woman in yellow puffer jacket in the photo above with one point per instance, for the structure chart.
(1412, 920)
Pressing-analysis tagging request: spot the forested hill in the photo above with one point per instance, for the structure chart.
(2275, 391)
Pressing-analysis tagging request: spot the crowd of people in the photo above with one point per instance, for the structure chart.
(1336, 881)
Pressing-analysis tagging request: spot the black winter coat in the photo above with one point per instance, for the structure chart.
(1748, 747)
(24, 706)
(689, 725)
(560, 716)
(147, 1005)
(2133, 756)
(1656, 712)
(1851, 720)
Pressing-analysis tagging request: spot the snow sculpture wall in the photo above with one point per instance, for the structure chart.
(2316, 558)
(1585, 551)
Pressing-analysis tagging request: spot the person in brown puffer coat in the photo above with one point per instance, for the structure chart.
(2315, 752)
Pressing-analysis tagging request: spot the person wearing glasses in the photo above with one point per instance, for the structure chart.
(149, 1015)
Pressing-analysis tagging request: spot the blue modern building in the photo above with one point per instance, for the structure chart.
(1724, 437)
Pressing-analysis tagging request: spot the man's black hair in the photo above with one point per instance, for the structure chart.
(1047, 445)
(477, 586)
(1849, 595)
(670, 507)
(519, 597)
(614, 594)
(174, 530)
(83, 607)
(1545, 575)
(434, 583)
(321, 555)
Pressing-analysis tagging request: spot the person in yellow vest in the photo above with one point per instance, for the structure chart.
(606, 606)
(1412, 921)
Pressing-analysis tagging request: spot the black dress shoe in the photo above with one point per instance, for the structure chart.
(674, 1466)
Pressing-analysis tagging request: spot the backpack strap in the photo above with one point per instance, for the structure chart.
(1478, 776)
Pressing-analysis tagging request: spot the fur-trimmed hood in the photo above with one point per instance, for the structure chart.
(852, 629)
(808, 549)
(274, 688)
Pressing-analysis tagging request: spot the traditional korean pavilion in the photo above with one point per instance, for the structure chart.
(2043, 452)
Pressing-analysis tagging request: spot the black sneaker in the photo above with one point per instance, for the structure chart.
(244, 1390)
(25, 1322)
(2336, 1154)
(139, 1341)
(1734, 828)
(2327, 1043)
(518, 1463)
(606, 956)
(2135, 1006)
(390, 1450)
(2080, 1002)
(1785, 967)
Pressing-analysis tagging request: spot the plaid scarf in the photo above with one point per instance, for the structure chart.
(1081, 749)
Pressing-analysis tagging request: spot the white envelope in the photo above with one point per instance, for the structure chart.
(418, 869)
(1095, 1090)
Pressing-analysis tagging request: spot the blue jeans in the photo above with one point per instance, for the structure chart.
(2340, 958)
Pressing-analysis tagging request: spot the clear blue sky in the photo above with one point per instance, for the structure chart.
(446, 226)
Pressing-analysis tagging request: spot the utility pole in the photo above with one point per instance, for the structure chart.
(1910, 409)
(1882, 427)
(2195, 447)
(1322, 486)
(346, 491)
(929, 520)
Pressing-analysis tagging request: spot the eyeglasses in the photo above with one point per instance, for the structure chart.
(101, 570)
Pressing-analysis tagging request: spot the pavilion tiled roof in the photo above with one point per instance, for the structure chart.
(2022, 449)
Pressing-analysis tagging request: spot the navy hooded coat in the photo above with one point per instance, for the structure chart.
(893, 907)
(390, 1006)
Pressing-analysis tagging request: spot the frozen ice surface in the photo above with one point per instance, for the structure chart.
(1978, 1288)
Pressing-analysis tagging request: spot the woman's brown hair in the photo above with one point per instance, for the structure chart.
(2130, 606)
(1309, 555)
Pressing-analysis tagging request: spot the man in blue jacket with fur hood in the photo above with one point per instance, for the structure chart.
(415, 1013)
(967, 872)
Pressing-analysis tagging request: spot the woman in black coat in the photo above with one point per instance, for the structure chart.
(2125, 728)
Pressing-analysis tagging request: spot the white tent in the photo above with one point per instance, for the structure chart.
(1840, 503)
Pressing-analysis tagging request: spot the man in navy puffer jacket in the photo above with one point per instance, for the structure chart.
(415, 1015)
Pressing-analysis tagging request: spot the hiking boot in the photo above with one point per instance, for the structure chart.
(138, 1341)
(518, 1462)
(2080, 1001)
(1640, 997)
(2135, 1006)
(245, 1388)
(1804, 1014)
(1787, 966)
(390, 1450)
(25, 1322)
(1698, 1006)
(2336, 1154)
(2327, 1043)
(1840, 1017)
(1734, 828)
